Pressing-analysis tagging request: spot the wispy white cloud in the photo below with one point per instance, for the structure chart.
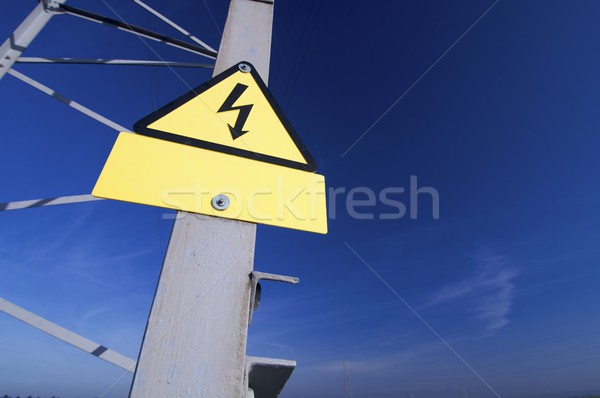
(489, 292)
(94, 312)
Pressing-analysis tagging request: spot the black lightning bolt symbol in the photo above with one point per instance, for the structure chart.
(237, 130)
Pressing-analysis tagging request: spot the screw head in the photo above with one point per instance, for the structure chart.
(220, 202)
(244, 67)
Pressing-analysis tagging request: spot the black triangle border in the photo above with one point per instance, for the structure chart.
(141, 126)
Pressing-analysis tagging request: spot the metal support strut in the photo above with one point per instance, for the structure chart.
(136, 30)
(14, 46)
(67, 101)
(108, 61)
(67, 336)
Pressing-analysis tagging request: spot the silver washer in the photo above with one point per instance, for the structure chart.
(244, 67)
(220, 202)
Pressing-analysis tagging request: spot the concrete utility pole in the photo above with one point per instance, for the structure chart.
(195, 340)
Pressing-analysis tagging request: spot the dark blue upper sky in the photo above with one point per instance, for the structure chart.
(497, 297)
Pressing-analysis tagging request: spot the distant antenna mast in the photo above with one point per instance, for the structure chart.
(347, 389)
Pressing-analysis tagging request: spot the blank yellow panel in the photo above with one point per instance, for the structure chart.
(160, 173)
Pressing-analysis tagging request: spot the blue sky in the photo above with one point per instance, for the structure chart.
(504, 126)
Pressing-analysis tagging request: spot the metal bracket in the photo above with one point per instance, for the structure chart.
(52, 6)
(266, 377)
(255, 278)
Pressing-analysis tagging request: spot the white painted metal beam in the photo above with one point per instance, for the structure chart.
(63, 200)
(67, 101)
(67, 336)
(14, 46)
(106, 61)
(136, 30)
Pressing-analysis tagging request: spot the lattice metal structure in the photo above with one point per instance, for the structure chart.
(261, 377)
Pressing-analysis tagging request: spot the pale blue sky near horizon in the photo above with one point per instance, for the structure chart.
(505, 127)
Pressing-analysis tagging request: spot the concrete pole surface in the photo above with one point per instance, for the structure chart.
(195, 340)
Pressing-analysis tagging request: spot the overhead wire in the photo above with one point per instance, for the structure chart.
(287, 24)
(153, 73)
(172, 24)
(212, 17)
(300, 63)
(301, 51)
(295, 59)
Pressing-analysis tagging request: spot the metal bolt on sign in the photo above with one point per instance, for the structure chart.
(220, 202)
(245, 68)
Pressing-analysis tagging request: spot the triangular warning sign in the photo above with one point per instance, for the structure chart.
(233, 113)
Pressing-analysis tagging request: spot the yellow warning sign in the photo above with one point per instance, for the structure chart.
(232, 113)
(225, 149)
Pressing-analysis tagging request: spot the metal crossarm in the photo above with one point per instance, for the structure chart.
(12, 48)
(63, 200)
(69, 102)
(67, 336)
(109, 61)
(135, 30)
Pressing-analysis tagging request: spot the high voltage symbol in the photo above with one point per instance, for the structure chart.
(237, 130)
(196, 119)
